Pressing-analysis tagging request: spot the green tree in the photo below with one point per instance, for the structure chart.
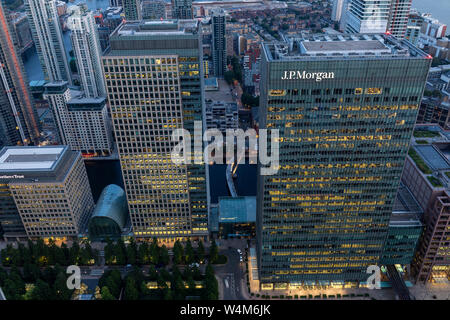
(31, 272)
(120, 252)
(200, 251)
(131, 293)
(63, 258)
(191, 285)
(3, 276)
(24, 254)
(113, 286)
(167, 294)
(213, 252)
(49, 275)
(16, 277)
(143, 254)
(74, 253)
(229, 76)
(210, 286)
(13, 290)
(178, 253)
(131, 251)
(152, 274)
(249, 100)
(164, 255)
(109, 252)
(196, 274)
(189, 253)
(113, 280)
(42, 291)
(106, 294)
(177, 284)
(154, 251)
(60, 287)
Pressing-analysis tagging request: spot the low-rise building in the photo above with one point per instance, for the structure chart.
(434, 110)
(221, 115)
(237, 217)
(153, 10)
(110, 217)
(427, 175)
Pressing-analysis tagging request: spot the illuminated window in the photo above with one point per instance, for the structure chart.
(277, 93)
(373, 91)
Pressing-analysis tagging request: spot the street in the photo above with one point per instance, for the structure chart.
(231, 276)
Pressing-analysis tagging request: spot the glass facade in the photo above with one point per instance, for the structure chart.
(343, 141)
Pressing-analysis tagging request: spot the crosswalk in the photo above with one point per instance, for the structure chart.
(97, 272)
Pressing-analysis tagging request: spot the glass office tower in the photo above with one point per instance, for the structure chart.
(345, 107)
(154, 82)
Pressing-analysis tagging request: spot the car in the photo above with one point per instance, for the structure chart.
(240, 259)
(239, 251)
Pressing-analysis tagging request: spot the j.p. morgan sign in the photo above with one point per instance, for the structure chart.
(304, 75)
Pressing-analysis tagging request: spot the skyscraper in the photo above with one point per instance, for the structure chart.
(19, 123)
(398, 17)
(219, 44)
(413, 27)
(86, 47)
(338, 6)
(83, 123)
(50, 189)
(182, 9)
(47, 37)
(132, 9)
(362, 16)
(345, 107)
(153, 9)
(154, 80)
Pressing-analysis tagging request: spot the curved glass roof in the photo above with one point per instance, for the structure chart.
(111, 209)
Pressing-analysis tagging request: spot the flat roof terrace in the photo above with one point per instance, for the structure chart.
(337, 46)
(433, 158)
(29, 158)
(157, 27)
(342, 46)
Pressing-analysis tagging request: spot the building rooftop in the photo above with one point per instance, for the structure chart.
(156, 27)
(222, 93)
(433, 158)
(211, 83)
(29, 158)
(81, 103)
(336, 46)
(310, 47)
(238, 209)
(155, 37)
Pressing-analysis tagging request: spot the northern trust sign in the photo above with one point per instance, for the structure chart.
(304, 75)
